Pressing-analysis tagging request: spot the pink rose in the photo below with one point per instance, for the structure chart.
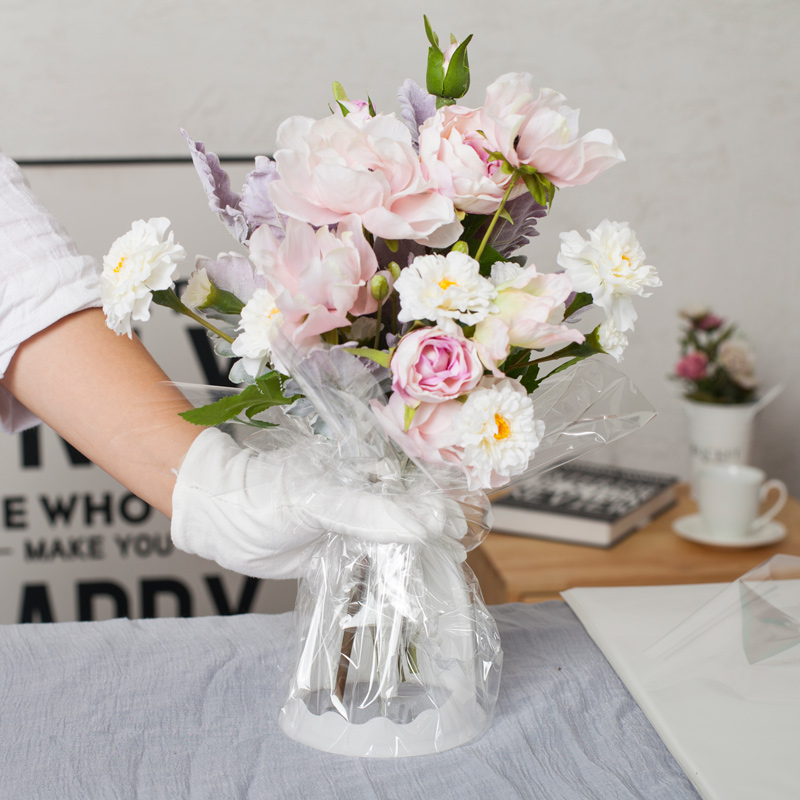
(317, 277)
(336, 166)
(692, 366)
(430, 366)
(542, 132)
(430, 436)
(709, 322)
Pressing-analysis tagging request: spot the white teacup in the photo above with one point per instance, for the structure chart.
(729, 497)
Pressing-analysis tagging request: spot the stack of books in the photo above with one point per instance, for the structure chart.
(584, 504)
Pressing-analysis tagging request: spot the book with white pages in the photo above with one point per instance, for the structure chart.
(716, 669)
(585, 504)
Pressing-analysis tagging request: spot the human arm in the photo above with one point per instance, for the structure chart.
(107, 397)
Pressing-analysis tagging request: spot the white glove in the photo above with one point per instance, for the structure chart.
(261, 513)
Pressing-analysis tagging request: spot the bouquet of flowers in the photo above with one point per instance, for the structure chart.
(384, 320)
(716, 366)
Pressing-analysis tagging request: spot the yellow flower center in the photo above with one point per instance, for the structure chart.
(503, 431)
(445, 283)
(618, 268)
(119, 266)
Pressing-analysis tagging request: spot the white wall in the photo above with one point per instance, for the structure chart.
(702, 96)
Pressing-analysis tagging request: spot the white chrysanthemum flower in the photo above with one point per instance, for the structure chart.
(497, 431)
(610, 266)
(140, 262)
(444, 289)
(198, 289)
(612, 339)
(260, 323)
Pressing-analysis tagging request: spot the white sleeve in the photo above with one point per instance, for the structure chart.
(42, 278)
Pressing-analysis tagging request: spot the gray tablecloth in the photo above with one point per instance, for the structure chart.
(186, 708)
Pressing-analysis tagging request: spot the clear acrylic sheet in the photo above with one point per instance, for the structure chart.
(747, 632)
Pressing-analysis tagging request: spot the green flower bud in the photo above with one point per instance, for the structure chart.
(461, 247)
(447, 75)
(394, 269)
(379, 287)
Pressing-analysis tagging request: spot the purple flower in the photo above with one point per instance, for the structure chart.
(217, 185)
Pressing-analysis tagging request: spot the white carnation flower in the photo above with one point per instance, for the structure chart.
(140, 262)
(260, 323)
(444, 289)
(612, 339)
(504, 271)
(737, 357)
(198, 289)
(497, 431)
(610, 266)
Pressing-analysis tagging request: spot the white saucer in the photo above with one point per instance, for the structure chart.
(692, 528)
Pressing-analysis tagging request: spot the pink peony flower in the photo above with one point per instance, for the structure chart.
(692, 366)
(453, 151)
(335, 167)
(429, 436)
(542, 132)
(317, 277)
(430, 366)
(530, 312)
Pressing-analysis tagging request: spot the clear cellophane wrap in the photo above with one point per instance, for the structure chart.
(394, 652)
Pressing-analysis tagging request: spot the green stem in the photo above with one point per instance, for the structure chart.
(515, 180)
(378, 327)
(206, 324)
(168, 299)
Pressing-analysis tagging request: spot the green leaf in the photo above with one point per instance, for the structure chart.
(432, 37)
(434, 75)
(495, 155)
(517, 362)
(534, 186)
(339, 94)
(582, 299)
(489, 256)
(378, 356)
(168, 299)
(506, 216)
(456, 81)
(542, 190)
(530, 378)
(565, 365)
(265, 393)
(408, 417)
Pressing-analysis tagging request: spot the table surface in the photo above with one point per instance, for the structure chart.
(521, 569)
(187, 708)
